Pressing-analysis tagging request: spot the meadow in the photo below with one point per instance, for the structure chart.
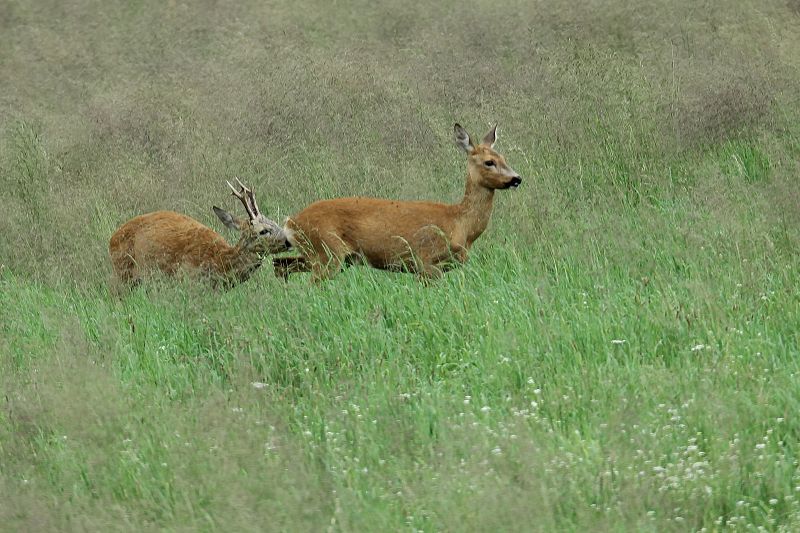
(620, 352)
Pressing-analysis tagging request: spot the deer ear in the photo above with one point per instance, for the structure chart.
(462, 138)
(490, 137)
(230, 221)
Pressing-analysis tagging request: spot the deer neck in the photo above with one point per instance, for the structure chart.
(474, 211)
(239, 264)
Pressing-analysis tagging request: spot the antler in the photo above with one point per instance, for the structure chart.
(248, 199)
(251, 197)
(245, 195)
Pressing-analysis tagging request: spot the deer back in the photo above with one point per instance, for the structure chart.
(381, 230)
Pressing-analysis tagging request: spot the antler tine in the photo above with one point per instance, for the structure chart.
(251, 197)
(235, 193)
(253, 203)
(241, 196)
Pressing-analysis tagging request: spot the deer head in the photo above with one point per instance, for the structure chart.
(486, 167)
(259, 234)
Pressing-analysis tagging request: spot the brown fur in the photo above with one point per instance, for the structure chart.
(421, 237)
(171, 242)
(168, 241)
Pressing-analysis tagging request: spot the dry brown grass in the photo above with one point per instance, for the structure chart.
(158, 104)
(725, 104)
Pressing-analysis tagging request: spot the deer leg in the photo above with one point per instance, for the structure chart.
(290, 265)
(429, 273)
(432, 268)
(457, 257)
(331, 253)
(121, 287)
(325, 268)
(458, 254)
(321, 268)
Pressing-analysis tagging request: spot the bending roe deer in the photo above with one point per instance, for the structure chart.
(422, 237)
(169, 241)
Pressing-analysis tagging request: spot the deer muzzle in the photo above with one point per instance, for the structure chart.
(513, 183)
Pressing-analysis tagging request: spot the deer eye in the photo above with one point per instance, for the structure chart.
(489, 163)
(263, 232)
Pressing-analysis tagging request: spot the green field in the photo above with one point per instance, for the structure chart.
(620, 352)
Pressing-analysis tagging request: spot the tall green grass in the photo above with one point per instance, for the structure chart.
(620, 352)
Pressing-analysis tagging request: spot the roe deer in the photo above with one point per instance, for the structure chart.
(422, 237)
(169, 241)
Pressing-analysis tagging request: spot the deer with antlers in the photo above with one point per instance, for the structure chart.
(169, 242)
(426, 238)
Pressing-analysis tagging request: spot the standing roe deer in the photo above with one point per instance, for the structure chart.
(169, 241)
(422, 237)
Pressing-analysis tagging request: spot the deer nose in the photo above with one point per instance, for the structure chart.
(515, 181)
